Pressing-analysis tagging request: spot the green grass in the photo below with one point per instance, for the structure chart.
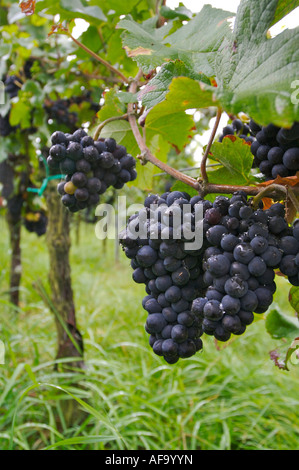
(128, 398)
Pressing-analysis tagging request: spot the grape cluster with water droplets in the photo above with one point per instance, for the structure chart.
(215, 289)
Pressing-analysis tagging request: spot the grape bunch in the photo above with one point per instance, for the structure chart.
(215, 289)
(36, 222)
(275, 150)
(239, 129)
(59, 111)
(289, 246)
(246, 247)
(5, 127)
(12, 85)
(90, 167)
(171, 273)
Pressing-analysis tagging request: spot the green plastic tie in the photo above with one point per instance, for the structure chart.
(40, 191)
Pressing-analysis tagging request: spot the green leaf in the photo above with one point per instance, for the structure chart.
(122, 133)
(69, 9)
(169, 118)
(3, 16)
(180, 12)
(255, 73)
(281, 326)
(113, 106)
(127, 97)
(195, 43)
(225, 176)
(157, 88)
(5, 50)
(20, 114)
(292, 355)
(186, 93)
(119, 6)
(236, 158)
(15, 13)
(294, 298)
(87, 12)
(143, 42)
(174, 125)
(284, 7)
(35, 90)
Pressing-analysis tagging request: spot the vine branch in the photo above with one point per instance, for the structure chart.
(273, 191)
(55, 30)
(146, 154)
(99, 59)
(124, 117)
(208, 148)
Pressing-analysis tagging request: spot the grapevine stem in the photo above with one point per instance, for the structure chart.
(191, 168)
(293, 198)
(273, 191)
(99, 59)
(286, 191)
(145, 151)
(206, 154)
(103, 124)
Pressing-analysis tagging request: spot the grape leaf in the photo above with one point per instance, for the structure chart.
(87, 12)
(292, 354)
(119, 7)
(281, 358)
(113, 106)
(121, 132)
(15, 14)
(3, 17)
(174, 125)
(284, 7)
(156, 89)
(144, 42)
(254, 72)
(180, 12)
(5, 49)
(195, 43)
(294, 298)
(169, 118)
(223, 175)
(236, 157)
(281, 326)
(20, 114)
(69, 9)
(186, 93)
